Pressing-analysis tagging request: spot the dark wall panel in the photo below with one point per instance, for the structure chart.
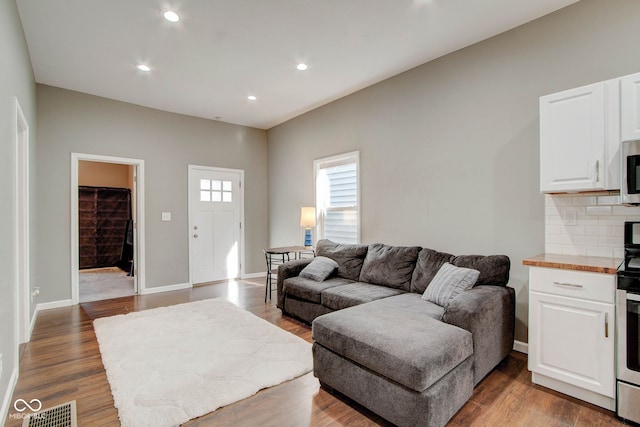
(103, 216)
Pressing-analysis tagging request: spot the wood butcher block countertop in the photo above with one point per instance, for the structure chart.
(575, 262)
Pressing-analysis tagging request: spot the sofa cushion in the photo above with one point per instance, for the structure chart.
(428, 264)
(494, 269)
(390, 266)
(310, 290)
(349, 257)
(449, 282)
(319, 269)
(337, 298)
(397, 338)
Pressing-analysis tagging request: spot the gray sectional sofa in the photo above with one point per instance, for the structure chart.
(381, 340)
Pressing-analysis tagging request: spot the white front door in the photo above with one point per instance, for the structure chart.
(215, 213)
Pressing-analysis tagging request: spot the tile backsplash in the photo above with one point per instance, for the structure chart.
(590, 224)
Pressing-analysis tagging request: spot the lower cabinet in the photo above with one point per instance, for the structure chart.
(572, 333)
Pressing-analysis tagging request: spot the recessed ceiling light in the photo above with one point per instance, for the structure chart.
(143, 67)
(252, 97)
(171, 16)
(301, 66)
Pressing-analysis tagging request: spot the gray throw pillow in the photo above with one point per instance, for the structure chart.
(319, 269)
(448, 282)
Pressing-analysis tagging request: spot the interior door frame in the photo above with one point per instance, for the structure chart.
(21, 226)
(138, 219)
(240, 173)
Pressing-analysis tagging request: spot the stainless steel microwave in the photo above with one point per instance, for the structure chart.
(630, 172)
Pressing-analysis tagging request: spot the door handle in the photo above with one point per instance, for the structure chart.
(597, 170)
(195, 236)
(195, 227)
(606, 325)
(570, 285)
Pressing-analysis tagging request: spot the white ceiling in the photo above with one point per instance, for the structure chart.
(221, 51)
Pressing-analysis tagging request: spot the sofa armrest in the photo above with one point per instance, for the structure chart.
(488, 312)
(286, 270)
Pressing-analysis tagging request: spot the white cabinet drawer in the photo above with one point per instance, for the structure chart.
(577, 284)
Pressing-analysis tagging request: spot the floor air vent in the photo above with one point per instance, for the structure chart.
(59, 416)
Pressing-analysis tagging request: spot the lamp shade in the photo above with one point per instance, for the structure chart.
(307, 216)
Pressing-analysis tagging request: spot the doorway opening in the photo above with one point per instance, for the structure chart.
(107, 227)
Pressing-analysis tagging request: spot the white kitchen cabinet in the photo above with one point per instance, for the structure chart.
(572, 333)
(579, 139)
(630, 107)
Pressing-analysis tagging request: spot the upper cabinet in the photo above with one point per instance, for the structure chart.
(580, 138)
(630, 107)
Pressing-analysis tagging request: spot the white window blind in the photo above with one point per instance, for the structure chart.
(337, 198)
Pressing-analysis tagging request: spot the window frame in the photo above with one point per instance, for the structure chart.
(327, 162)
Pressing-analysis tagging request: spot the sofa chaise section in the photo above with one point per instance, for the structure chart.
(396, 358)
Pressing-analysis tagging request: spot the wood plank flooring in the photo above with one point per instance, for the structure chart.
(62, 362)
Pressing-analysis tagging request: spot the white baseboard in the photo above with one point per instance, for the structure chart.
(254, 275)
(6, 401)
(520, 346)
(46, 306)
(54, 304)
(166, 288)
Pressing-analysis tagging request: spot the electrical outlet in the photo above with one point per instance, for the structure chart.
(570, 217)
(35, 293)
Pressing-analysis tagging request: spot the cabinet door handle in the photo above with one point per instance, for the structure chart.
(570, 285)
(606, 325)
(597, 170)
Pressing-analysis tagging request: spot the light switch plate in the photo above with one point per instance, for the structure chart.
(166, 216)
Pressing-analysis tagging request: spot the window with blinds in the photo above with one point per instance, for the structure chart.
(337, 198)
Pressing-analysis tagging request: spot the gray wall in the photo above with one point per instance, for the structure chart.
(449, 150)
(74, 122)
(16, 79)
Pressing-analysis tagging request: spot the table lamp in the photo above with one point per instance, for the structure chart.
(307, 220)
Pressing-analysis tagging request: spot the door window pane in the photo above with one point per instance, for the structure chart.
(214, 190)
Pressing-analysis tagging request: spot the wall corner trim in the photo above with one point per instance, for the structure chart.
(6, 401)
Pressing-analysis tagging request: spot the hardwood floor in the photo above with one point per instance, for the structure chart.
(62, 363)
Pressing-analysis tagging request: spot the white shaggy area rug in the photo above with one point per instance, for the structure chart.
(171, 364)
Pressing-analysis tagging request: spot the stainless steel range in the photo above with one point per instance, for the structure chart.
(627, 322)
